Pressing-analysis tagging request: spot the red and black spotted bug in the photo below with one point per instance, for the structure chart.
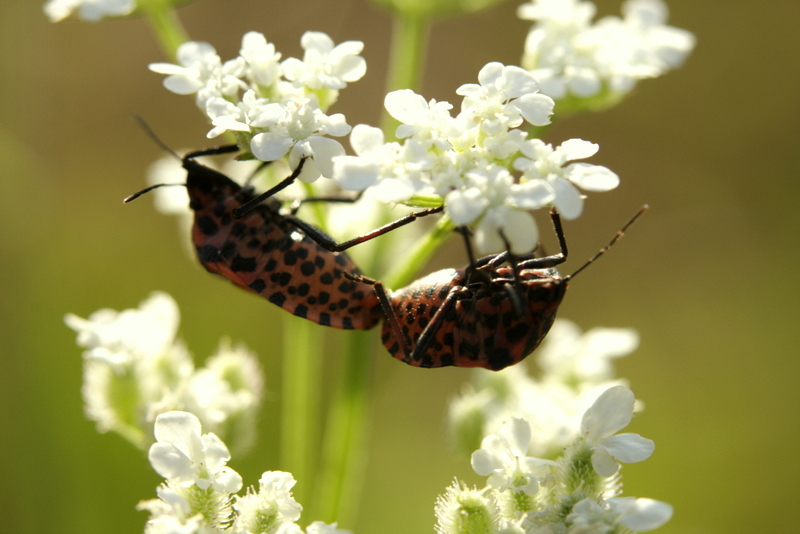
(267, 253)
(483, 315)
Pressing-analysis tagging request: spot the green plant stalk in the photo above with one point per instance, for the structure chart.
(168, 29)
(345, 446)
(300, 401)
(406, 60)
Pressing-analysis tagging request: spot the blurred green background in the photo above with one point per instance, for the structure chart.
(708, 277)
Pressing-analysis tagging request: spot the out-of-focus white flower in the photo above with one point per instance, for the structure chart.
(570, 56)
(610, 413)
(92, 10)
(135, 369)
(187, 458)
(576, 370)
(571, 356)
(116, 337)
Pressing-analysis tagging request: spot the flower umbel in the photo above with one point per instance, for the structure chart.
(527, 494)
(135, 369)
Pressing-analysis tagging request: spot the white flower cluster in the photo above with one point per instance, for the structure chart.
(135, 369)
(466, 161)
(275, 108)
(198, 496)
(93, 10)
(572, 57)
(576, 369)
(576, 494)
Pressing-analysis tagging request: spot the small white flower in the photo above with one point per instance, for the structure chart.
(299, 129)
(92, 10)
(429, 123)
(505, 96)
(493, 196)
(269, 508)
(610, 413)
(325, 65)
(263, 62)
(117, 337)
(201, 71)
(503, 458)
(550, 165)
(184, 457)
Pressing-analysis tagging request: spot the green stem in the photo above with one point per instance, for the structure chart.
(168, 29)
(300, 401)
(345, 448)
(409, 45)
(406, 271)
(344, 452)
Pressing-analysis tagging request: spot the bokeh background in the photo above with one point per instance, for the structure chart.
(709, 277)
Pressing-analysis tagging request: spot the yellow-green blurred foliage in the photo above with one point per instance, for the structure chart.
(708, 277)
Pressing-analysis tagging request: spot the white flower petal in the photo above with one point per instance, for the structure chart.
(169, 462)
(568, 199)
(464, 206)
(645, 514)
(365, 139)
(629, 448)
(406, 106)
(536, 108)
(578, 149)
(604, 464)
(592, 177)
(354, 173)
(483, 462)
(323, 151)
(609, 414)
(270, 146)
(181, 430)
(517, 433)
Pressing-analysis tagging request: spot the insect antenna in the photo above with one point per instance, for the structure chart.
(134, 196)
(153, 137)
(616, 238)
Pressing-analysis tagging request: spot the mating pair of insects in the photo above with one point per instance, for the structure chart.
(491, 313)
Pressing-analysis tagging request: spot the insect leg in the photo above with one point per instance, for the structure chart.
(433, 327)
(555, 259)
(242, 210)
(388, 311)
(328, 243)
